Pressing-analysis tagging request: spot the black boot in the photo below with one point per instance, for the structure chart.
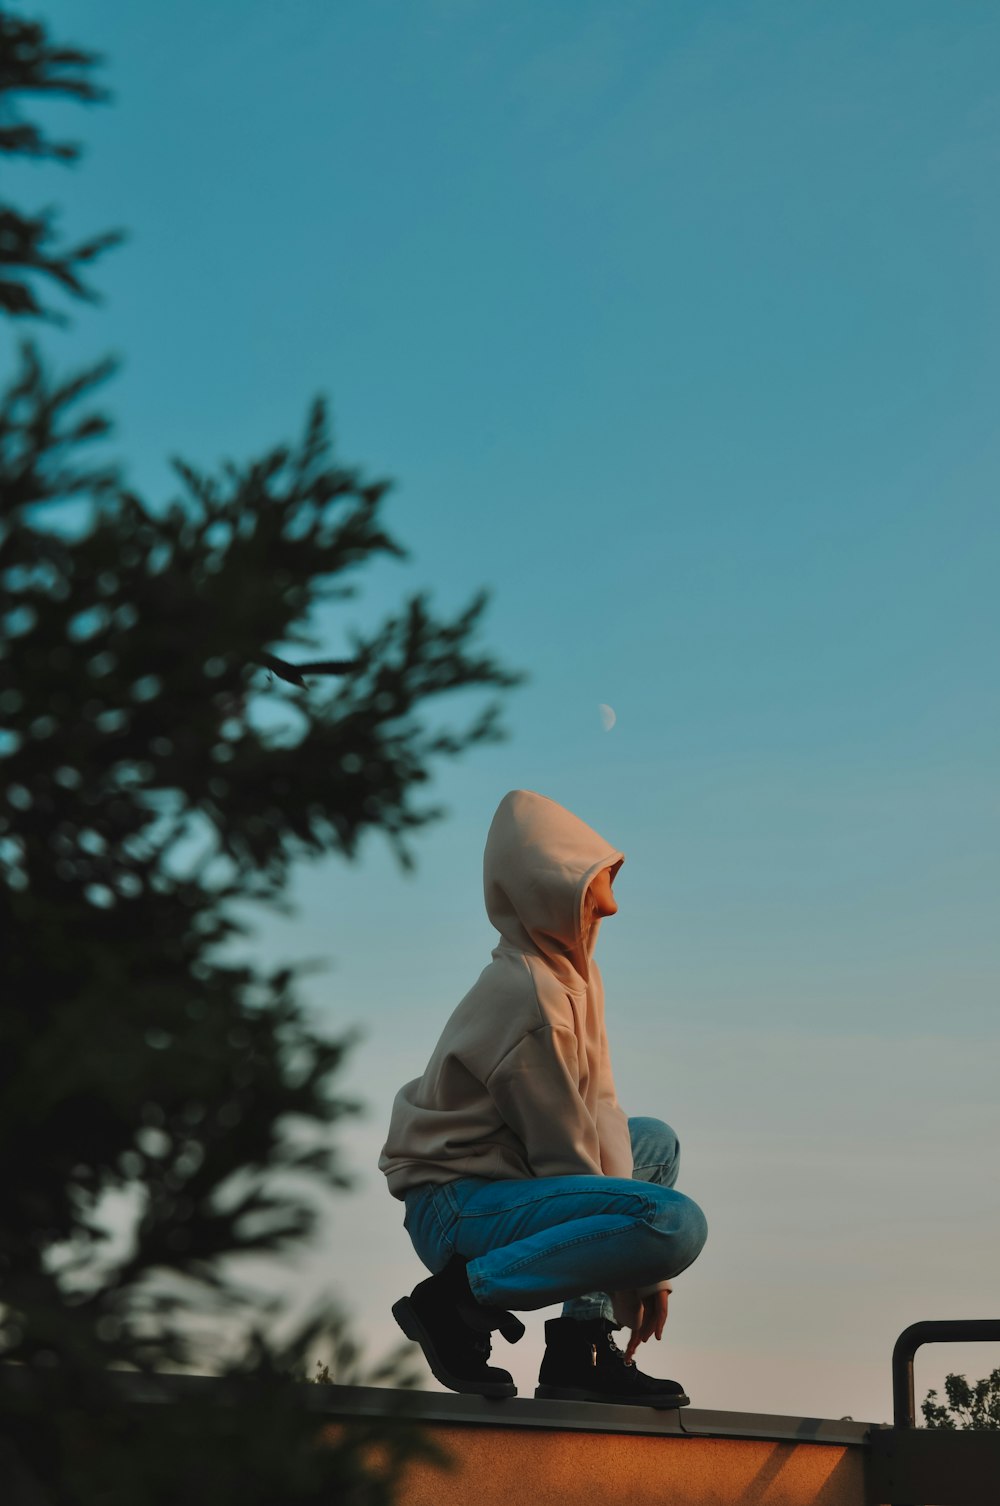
(442, 1315)
(582, 1362)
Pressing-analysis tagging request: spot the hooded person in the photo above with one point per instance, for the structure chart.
(524, 1181)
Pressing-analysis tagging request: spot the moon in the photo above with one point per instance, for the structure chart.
(608, 717)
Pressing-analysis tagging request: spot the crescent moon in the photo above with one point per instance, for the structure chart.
(608, 717)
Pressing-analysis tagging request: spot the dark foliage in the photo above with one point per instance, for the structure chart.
(30, 246)
(145, 711)
(975, 1406)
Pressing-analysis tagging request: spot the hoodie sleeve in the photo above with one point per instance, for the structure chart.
(612, 1123)
(535, 1090)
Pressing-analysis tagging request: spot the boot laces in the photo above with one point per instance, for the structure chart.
(617, 1353)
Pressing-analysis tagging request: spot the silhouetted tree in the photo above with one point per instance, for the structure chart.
(30, 247)
(975, 1406)
(134, 1063)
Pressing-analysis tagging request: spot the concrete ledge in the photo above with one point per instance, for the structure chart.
(525, 1452)
(518, 1412)
(581, 1416)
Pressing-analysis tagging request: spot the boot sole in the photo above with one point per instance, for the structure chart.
(663, 1403)
(409, 1321)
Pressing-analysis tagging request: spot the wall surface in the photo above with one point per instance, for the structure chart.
(504, 1466)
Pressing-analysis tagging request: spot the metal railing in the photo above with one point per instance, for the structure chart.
(951, 1467)
(949, 1330)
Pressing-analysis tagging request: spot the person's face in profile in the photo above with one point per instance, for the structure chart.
(600, 899)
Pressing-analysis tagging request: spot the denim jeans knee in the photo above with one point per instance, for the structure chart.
(687, 1226)
(656, 1150)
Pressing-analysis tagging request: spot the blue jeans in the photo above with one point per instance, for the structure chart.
(537, 1240)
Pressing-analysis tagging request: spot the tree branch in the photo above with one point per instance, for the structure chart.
(293, 673)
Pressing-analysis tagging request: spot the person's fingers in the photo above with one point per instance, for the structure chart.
(654, 1315)
(640, 1328)
(646, 1319)
(635, 1337)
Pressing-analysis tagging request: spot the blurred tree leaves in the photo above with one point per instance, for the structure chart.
(975, 1406)
(135, 1065)
(31, 250)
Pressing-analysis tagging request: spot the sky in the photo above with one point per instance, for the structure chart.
(675, 326)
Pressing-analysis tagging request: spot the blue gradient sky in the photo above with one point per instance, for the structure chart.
(676, 324)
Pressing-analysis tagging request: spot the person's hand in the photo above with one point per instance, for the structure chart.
(643, 1315)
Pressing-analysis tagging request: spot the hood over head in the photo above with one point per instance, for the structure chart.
(539, 862)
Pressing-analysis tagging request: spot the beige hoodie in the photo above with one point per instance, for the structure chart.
(520, 1084)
